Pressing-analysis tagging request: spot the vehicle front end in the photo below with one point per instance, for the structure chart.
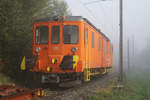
(56, 50)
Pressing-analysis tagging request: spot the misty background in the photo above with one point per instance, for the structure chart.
(105, 15)
(17, 17)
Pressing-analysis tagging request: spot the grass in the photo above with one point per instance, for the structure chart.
(136, 87)
(5, 79)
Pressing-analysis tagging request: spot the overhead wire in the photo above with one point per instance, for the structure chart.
(102, 23)
(90, 12)
(105, 17)
(110, 26)
(91, 2)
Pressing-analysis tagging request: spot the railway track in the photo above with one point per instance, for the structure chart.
(79, 90)
(74, 92)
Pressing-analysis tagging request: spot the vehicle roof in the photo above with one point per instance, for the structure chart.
(72, 18)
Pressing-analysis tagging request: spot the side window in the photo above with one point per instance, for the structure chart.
(92, 39)
(99, 43)
(107, 47)
(85, 36)
(42, 34)
(55, 34)
(104, 48)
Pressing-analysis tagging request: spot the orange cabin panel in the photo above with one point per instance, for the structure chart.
(93, 49)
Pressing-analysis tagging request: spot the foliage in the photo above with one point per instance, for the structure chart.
(16, 19)
(5, 79)
(55, 8)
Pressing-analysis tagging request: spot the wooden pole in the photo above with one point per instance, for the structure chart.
(121, 42)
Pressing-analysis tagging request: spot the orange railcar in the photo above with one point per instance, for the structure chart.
(69, 48)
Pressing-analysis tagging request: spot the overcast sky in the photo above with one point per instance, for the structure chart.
(105, 15)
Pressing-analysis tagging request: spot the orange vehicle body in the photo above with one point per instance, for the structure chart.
(93, 48)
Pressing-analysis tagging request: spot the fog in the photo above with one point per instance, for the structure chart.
(105, 15)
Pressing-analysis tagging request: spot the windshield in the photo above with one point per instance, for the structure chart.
(42, 34)
(55, 34)
(70, 34)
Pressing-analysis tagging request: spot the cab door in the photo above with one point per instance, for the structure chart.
(40, 46)
(86, 44)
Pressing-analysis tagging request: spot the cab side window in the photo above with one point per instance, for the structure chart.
(42, 34)
(99, 43)
(85, 36)
(92, 39)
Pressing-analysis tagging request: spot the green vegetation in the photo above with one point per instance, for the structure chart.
(136, 87)
(16, 19)
(5, 79)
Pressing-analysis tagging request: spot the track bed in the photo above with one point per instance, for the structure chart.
(80, 92)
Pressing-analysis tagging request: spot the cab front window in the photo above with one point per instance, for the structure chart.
(42, 34)
(55, 34)
(70, 34)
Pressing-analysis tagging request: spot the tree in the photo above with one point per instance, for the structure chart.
(53, 8)
(16, 19)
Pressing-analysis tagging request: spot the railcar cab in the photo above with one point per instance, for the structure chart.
(56, 45)
(62, 49)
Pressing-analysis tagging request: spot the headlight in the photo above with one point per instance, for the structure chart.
(37, 49)
(48, 69)
(54, 61)
(74, 49)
